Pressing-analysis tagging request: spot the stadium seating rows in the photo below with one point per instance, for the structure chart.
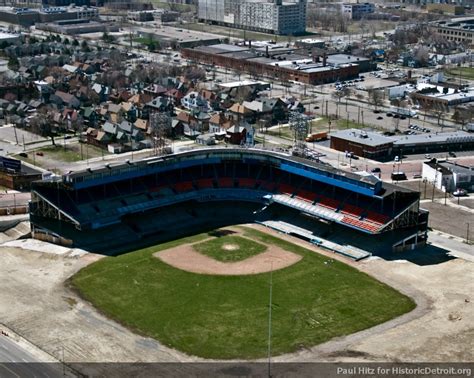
(353, 215)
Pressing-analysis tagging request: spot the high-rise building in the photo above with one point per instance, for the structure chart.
(270, 16)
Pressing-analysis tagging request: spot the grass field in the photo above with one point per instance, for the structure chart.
(60, 153)
(462, 72)
(229, 248)
(226, 317)
(318, 125)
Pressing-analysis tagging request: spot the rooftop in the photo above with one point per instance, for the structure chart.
(438, 138)
(368, 138)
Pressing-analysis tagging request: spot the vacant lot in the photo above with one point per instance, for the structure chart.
(226, 317)
(49, 157)
(462, 72)
(449, 219)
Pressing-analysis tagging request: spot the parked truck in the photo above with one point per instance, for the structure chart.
(404, 112)
(317, 137)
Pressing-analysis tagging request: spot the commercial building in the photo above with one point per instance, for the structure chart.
(72, 27)
(448, 176)
(269, 16)
(356, 11)
(182, 38)
(362, 143)
(441, 97)
(281, 62)
(376, 146)
(458, 29)
(32, 16)
(9, 37)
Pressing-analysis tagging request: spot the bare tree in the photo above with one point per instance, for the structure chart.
(376, 97)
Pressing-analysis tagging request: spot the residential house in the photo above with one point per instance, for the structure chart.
(194, 101)
(236, 134)
(189, 123)
(155, 90)
(61, 99)
(219, 123)
(239, 112)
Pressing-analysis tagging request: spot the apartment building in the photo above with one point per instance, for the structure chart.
(269, 16)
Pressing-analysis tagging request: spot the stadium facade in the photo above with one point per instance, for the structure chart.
(125, 203)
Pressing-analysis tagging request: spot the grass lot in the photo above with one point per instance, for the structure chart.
(226, 317)
(61, 153)
(319, 124)
(463, 72)
(216, 248)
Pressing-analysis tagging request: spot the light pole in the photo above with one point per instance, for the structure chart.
(270, 322)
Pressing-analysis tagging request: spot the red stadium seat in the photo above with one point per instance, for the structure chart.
(226, 182)
(247, 183)
(205, 184)
(306, 196)
(377, 218)
(329, 203)
(182, 187)
(352, 210)
(360, 224)
(286, 189)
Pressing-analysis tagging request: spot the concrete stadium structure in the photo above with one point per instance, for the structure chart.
(122, 204)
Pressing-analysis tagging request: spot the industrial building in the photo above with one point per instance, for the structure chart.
(269, 16)
(356, 11)
(32, 16)
(457, 29)
(281, 62)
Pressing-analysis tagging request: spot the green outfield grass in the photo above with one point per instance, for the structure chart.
(226, 317)
(216, 248)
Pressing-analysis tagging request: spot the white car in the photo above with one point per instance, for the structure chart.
(459, 193)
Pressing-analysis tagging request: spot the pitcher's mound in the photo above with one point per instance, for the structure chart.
(230, 247)
(184, 257)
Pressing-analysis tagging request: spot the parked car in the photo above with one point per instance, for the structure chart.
(23, 154)
(398, 176)
(389, 115)
(452, 154)
(379, 117)
(459, 193)
(39, 153)
(427, 156)
(416, 175)
(376, 170)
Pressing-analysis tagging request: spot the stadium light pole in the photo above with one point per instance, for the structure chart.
(270, 322)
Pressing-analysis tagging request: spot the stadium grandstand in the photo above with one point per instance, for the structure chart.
(162, 197)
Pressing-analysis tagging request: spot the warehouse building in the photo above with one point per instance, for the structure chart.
(281, 62)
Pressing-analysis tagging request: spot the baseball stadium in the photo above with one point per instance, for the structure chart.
(114, 206)
(192, 238)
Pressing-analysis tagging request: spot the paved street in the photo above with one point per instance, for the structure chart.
(18, 362)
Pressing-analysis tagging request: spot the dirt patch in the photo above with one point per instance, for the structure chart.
(230, 247)
(184, 257)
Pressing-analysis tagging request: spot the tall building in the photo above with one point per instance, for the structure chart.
(269, 16)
